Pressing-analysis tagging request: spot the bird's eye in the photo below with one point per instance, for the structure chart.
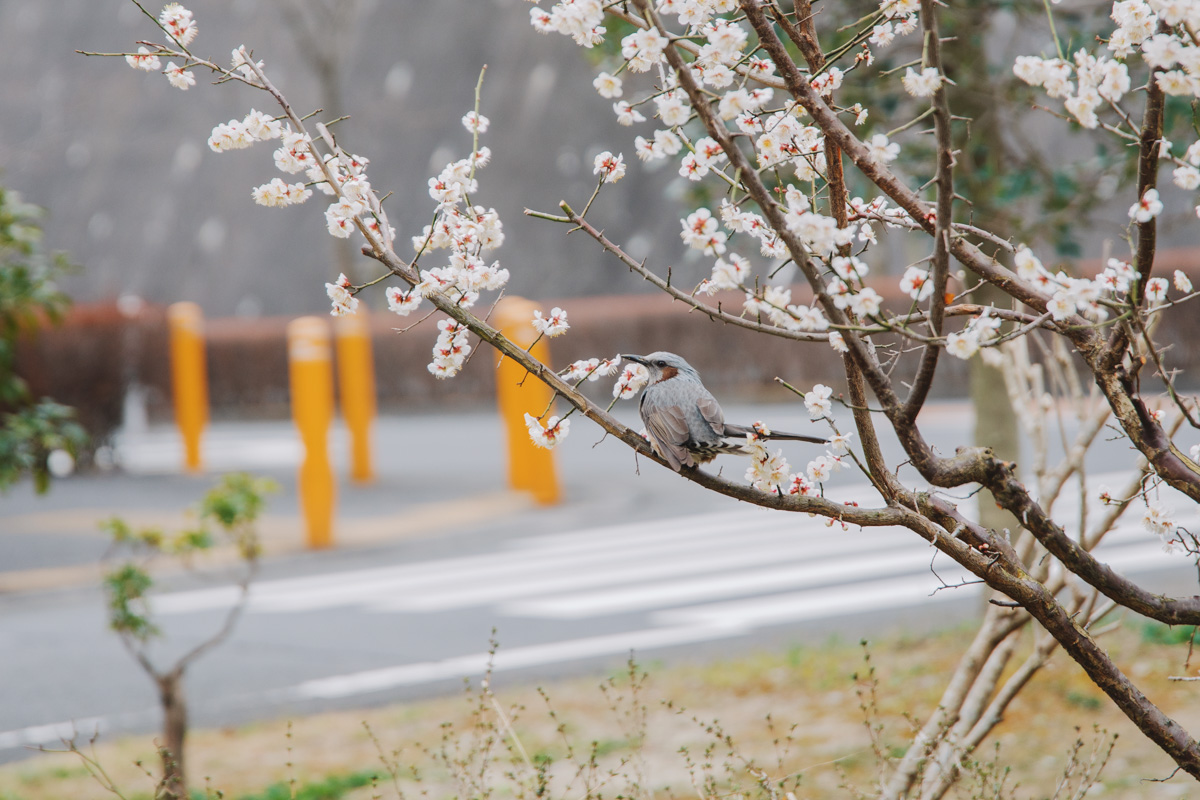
(660, 363)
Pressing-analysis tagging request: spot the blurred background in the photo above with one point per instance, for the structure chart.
(152, 216)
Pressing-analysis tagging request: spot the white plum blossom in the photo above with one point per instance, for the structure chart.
(475, 123)
(828, 82)
(179, 77)
(1061, 305)
(239, 63)
(838, 342)
(882, 35)
(340, 217)
(579, 19)
(262, 127)
(402, 302)
(767, 472)
(672, 108)
(1029, 267)
(916, 283)
(231, 135)
(631, 381)
(820, 469)
(580, 370)
(450, 351)
(921, 84)
(866, 302)
(840, 442)
(178, 23)
(144, 60)
(883, 150)
(608, 366)
(294, 154)
(700, 232)
(610, 168)
(607, 85)
(817, 401)
(555, 431)
(1186, 177)
(727, 273)
(627, 115)
(643, 49)
(277, 194)
(1147, 208)
(962, 344)
(344, 302)
(1156, 290)
(553, 325)
(800, 485)
(1158, 520)
(1182, 282)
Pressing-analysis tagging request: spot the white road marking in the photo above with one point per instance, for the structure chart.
(699, 578)
(375, 680)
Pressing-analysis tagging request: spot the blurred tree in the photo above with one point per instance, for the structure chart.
(30, 429)
(233, 505)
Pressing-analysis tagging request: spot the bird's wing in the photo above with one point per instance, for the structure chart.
(668, 432)
(710, 409)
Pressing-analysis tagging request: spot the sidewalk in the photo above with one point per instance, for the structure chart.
(54, 541)
(436, 475)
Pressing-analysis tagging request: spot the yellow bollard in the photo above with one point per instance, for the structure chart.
(311, 371)
(356, 386)
(189, 379)
(530, 468)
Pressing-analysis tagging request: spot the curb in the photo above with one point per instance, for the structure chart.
(283, 535)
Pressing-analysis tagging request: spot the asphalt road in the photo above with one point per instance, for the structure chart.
(632, 561)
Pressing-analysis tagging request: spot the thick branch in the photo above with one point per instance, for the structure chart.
(942, 222)
(1009, 492)
(1149, 143)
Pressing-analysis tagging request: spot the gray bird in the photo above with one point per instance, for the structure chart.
(683, 420)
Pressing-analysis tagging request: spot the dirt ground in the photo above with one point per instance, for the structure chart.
(686, 731)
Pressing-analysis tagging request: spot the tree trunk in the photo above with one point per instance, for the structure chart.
(174, 706)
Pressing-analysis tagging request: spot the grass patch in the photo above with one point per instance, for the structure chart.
(332, 787)
(792, 712)
(1158, 633)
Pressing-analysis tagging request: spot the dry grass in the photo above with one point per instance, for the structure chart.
(815, 731)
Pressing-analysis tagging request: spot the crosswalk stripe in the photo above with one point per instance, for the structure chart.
(620, 568)
(563, 575)
(506, 659)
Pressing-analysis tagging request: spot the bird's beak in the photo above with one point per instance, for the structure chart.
(635, 359)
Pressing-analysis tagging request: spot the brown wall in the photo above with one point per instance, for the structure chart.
(89, 360)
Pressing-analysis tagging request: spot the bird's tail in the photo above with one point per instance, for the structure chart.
(741, 430)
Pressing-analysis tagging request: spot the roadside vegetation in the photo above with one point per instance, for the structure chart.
(818, 721)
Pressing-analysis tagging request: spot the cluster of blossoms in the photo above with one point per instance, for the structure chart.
(554, 431)
(341, 296)
(1083, 296)
(451, 349)
(631, 381)
(591, 369)
(1100, 80)
(181, 31)
(468, 232)
(354, 202)
(782, 141)
(553, 325)
(770, 472)
(1158, 521)
(1161, 33)
(979, 331)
